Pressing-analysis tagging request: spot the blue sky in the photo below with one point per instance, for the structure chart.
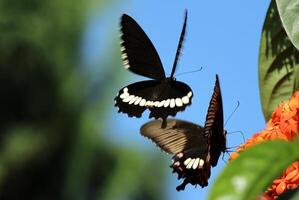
(222, 37)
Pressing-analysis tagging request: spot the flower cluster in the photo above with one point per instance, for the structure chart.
(283, 125)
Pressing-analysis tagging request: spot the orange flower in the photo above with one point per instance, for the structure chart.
(283, 125)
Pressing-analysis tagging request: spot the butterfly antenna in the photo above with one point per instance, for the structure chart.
(183, 73)
(243, 136)
(228, 148)
(238, 104)
(178, 52)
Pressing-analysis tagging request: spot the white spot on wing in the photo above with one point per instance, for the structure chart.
(180, 155)
(142, 102)
(124, 56)
(126, 66)
(161, 103)
(186, 162)
(149, 103)
(172, 103)
(128, 98)
(156, 103)
(195, 164)
(120, 33)
(137, 101)
(176, 164)
(190, 164)
(122, 48)
(166, 104)
(133, 100)
(185, 100)
(124, 95)
(201, 162)
(126, 90)
(178, 102)
(189, 94)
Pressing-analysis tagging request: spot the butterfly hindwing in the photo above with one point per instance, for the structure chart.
(189, 144)
(138, 53)
(161, 98)
(133, 98)
(214, 125)
(174, 97)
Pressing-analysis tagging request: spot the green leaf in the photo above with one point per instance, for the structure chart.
(289, 14)
(278, 63)
(251, 173)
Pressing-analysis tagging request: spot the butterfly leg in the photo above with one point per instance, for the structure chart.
(164, 123)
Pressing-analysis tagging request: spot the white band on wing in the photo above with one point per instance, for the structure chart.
(178, 102)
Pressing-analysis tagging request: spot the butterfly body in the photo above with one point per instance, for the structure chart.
(162, 95)
(196, 149)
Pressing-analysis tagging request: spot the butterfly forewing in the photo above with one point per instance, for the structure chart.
(214, 125)
(178, 136)
(138, 53)
(182, 38)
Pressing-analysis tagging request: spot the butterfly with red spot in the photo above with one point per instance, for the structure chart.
(163, 96)
(196, 148)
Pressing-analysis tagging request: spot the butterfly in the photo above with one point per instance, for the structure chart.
(162, 95)
(196, 148)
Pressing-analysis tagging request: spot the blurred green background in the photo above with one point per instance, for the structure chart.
(51, 141)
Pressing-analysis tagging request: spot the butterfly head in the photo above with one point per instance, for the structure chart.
(170, 79)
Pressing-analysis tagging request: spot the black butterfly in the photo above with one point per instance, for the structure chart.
(162, 96)
(196, 148)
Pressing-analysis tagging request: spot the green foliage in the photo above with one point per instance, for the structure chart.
(289, 11)
(39, 44)
(278, 63)
(252, 172)
(51, 132)
(115, 170)
(131, 173)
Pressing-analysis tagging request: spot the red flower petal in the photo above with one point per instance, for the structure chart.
(283, 125)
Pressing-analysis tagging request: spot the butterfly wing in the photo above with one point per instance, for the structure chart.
(214, 126)
(162, 98)
(134, 98)
(138, 53)
(176, 137)
(173, 97)
(187, 141)
(178, 52)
